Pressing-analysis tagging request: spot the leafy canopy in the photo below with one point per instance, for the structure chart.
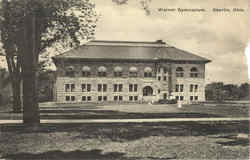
(66, 22)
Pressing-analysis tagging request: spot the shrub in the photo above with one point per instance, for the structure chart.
(167, 101)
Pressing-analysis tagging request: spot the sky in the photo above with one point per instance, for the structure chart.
(219, 36)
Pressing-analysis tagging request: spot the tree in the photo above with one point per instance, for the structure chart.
(32, 26)
(12, 59)
(244, 90)
(214, 91)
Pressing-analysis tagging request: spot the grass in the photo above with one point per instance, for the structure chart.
(182, 140)
(134, 111)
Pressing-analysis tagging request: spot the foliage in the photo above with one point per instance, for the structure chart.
(219, 91)
(29, 27)
(167, 101)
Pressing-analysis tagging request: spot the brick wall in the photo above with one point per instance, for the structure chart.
(110, 80)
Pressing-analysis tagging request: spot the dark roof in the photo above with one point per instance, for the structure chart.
(124, 50)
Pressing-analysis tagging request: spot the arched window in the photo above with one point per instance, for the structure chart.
(70, 71)
(102, 71)
(117, 71)
(148, 72)
(194, 72)
(133, 72)
(85, 71)
(179, 72)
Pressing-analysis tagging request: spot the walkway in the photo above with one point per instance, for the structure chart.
(63, 121)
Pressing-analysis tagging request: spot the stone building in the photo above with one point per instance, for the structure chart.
(124, 71)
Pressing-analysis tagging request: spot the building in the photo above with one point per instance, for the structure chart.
(124, 71)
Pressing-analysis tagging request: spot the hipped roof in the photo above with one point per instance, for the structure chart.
(118, 50)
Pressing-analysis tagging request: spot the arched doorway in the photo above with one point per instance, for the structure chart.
(147, 91)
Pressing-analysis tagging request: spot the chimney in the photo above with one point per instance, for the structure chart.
(160, 41)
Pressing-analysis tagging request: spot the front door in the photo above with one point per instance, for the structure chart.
(147, 91)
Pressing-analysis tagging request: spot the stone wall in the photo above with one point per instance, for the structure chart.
(159, 86)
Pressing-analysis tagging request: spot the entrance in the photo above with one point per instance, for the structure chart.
(147, 91)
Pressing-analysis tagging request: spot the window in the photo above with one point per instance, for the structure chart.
(99, 98)
(102, 87)
(120, 98)
(191, 87)
(159, 91)
(181, 87)
(196, 98)
(130, 98)
(115, 98)
(177, 98)
(194, 72)
(67, 98)
(191, 98)
(179, 72)
(99, 87)
(165, 78)
(102, 71)
(196, 88)
(133, 72)
(181, 98)
(105, 98)
(89, 98)
(118, 71)
(83, 98)
(159, 78)
(85, 74)
(177, 88)
(130, 87)
(120, 87)
(83, 87)
(72, 87)
(165, 70)
(86, 87)
(115, 87)
(69, 87)
(70, 98)
(70, 71)
(85, 71)
(133, 87)
(135, 98)
(165, 96)
(148, 72)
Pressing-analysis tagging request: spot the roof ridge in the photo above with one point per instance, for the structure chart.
(187, 52)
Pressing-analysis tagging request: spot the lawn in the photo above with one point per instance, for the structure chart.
(149, 141)
(133, 111)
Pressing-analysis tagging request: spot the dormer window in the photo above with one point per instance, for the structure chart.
(148, 72)
(85, 71)
(179, 72)
(133, 72)
(118, 71)
(102, 71)
(194, 72)
(70, 71)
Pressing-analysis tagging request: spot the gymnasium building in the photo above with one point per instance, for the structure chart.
(125, 71)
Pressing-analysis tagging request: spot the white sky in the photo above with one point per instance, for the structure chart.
(221, 37)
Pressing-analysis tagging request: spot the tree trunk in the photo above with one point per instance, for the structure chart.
(16, 89)
(29, 71)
